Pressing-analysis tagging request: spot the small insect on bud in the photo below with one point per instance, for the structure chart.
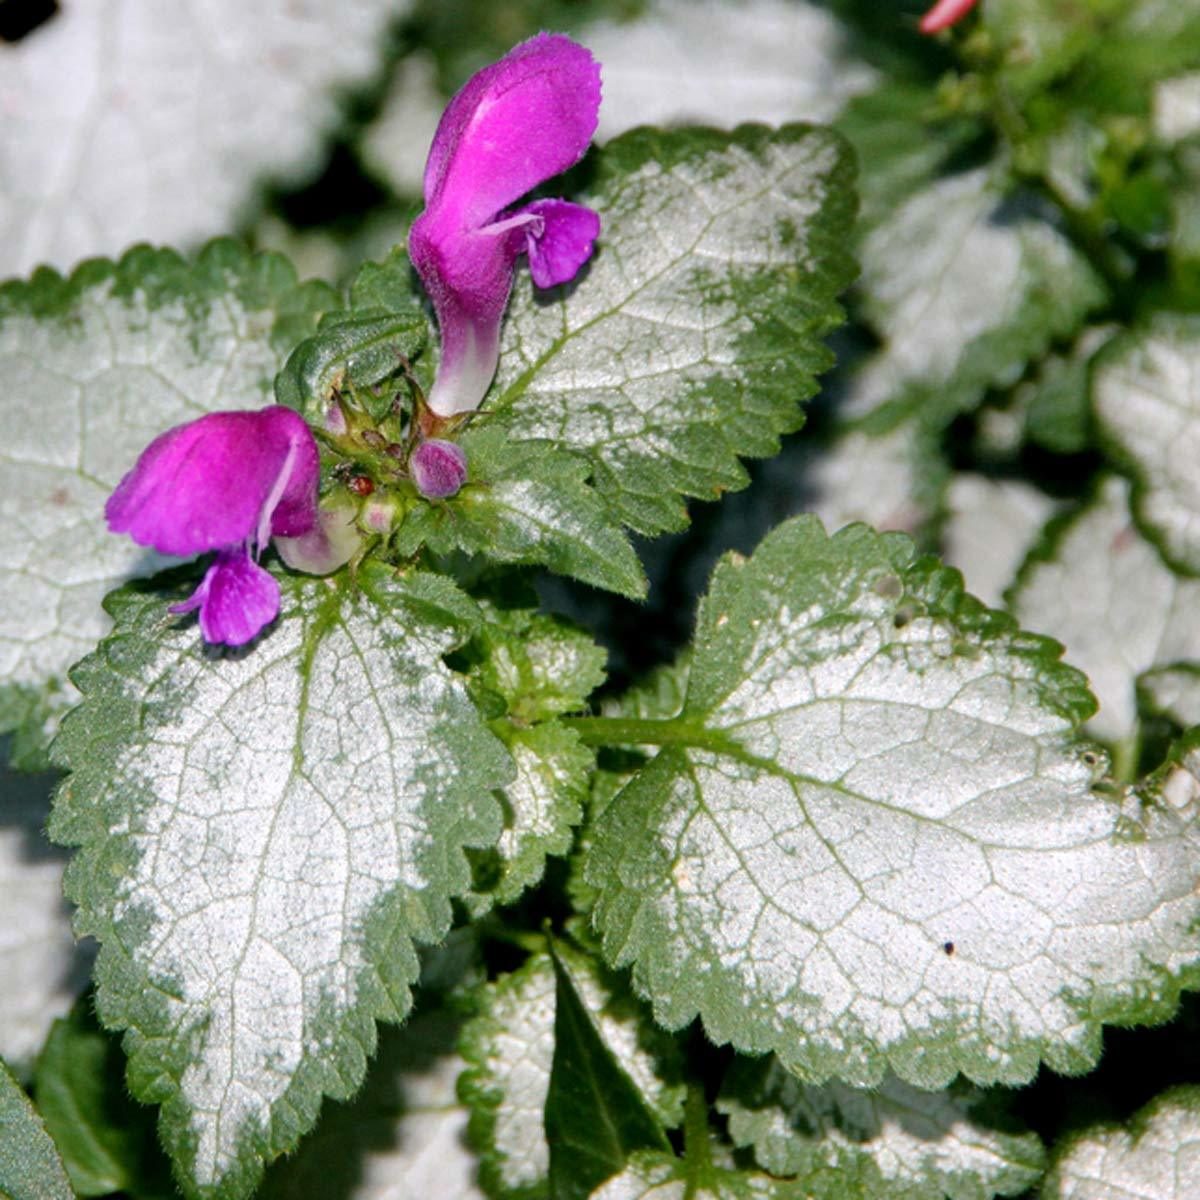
(360, 485)
(438, 468)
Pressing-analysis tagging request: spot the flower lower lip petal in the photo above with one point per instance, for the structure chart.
(228, 481)
(237, 599)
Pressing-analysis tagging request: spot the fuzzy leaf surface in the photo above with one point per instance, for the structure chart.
(894, 1143)
(95, 367)
(510, 1047)
(965, 285)
(1147, 400)
(262, 838)
(527, 502)
(30, 1168)
(534, 667)
(359, 346)
(1157, 1155)
(694, 335)
(1102, 590)
(871, 767)
(131, 121)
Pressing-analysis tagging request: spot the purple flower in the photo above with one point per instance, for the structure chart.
(227, 482)
(514, 125)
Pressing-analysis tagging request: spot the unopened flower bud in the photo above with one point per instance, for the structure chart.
(438, 468)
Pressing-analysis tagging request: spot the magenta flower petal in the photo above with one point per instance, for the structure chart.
(514, 125)
(563, 243)
(237, 599)
(227, 478)
(228, 482)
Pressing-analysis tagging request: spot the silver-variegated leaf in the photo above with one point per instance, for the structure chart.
(990, 526)
(95, 367)
(965, 284)
(694, 335)
(894, 1142)
(712, 63)
(1102, 590)
(130, 122)
(41, 968)
(509, 1047)
(263, 836)
(871, 841)
(1146, 392)
(1157, 1156)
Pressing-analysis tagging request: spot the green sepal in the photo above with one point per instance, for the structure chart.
(364, 346)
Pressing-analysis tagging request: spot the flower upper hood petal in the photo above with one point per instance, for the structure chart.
(513, 125)
(221, 480)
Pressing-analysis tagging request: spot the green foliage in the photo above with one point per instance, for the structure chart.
(1147, 405)
(527, 502)
(30, 1168)
(894, 1143)
(614, 1065)
(362, 346)
(526, 670)
(965, 282)
(849, 824)
(652, 1173)
(84, 360)
(1095, 573)
(106, 1140)
(1155, 1155)
(324, 787)
(826, 857)
(595, 1115)
(677, 353)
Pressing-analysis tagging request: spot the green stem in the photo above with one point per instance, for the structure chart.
(1126, 754)
(697, 1148)
(638, 731)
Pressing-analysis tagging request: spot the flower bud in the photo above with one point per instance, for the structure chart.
(438, 468)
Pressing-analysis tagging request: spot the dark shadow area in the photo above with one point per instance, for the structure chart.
(19, 18)
(410, 1075)
(1135, 1066)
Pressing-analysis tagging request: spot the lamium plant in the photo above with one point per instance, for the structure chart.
(498, 748)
